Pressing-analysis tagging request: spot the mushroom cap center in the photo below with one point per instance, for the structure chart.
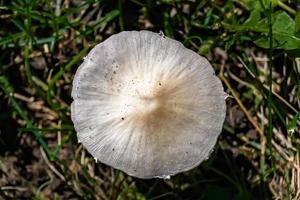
(149, 104)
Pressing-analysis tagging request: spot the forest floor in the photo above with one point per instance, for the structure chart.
(254, 46)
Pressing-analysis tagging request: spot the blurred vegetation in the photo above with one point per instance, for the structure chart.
(254, 46)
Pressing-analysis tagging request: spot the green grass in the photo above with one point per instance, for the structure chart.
(254, 46)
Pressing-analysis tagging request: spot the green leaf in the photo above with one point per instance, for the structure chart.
(283, 22)
(280, 41)
(297, 24)
(11, 38)
(292, 125)
(253, 18)
(283, 27)
(283, 32)
(101, 23)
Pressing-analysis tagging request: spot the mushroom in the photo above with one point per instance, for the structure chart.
(146, 105)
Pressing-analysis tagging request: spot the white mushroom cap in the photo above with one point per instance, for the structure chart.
(146, 105)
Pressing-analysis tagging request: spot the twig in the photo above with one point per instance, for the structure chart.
(249, 117)
(21, 189)
(262, 161)
(252, 121)
(55, 171)
(237, 79)
(286, 7)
